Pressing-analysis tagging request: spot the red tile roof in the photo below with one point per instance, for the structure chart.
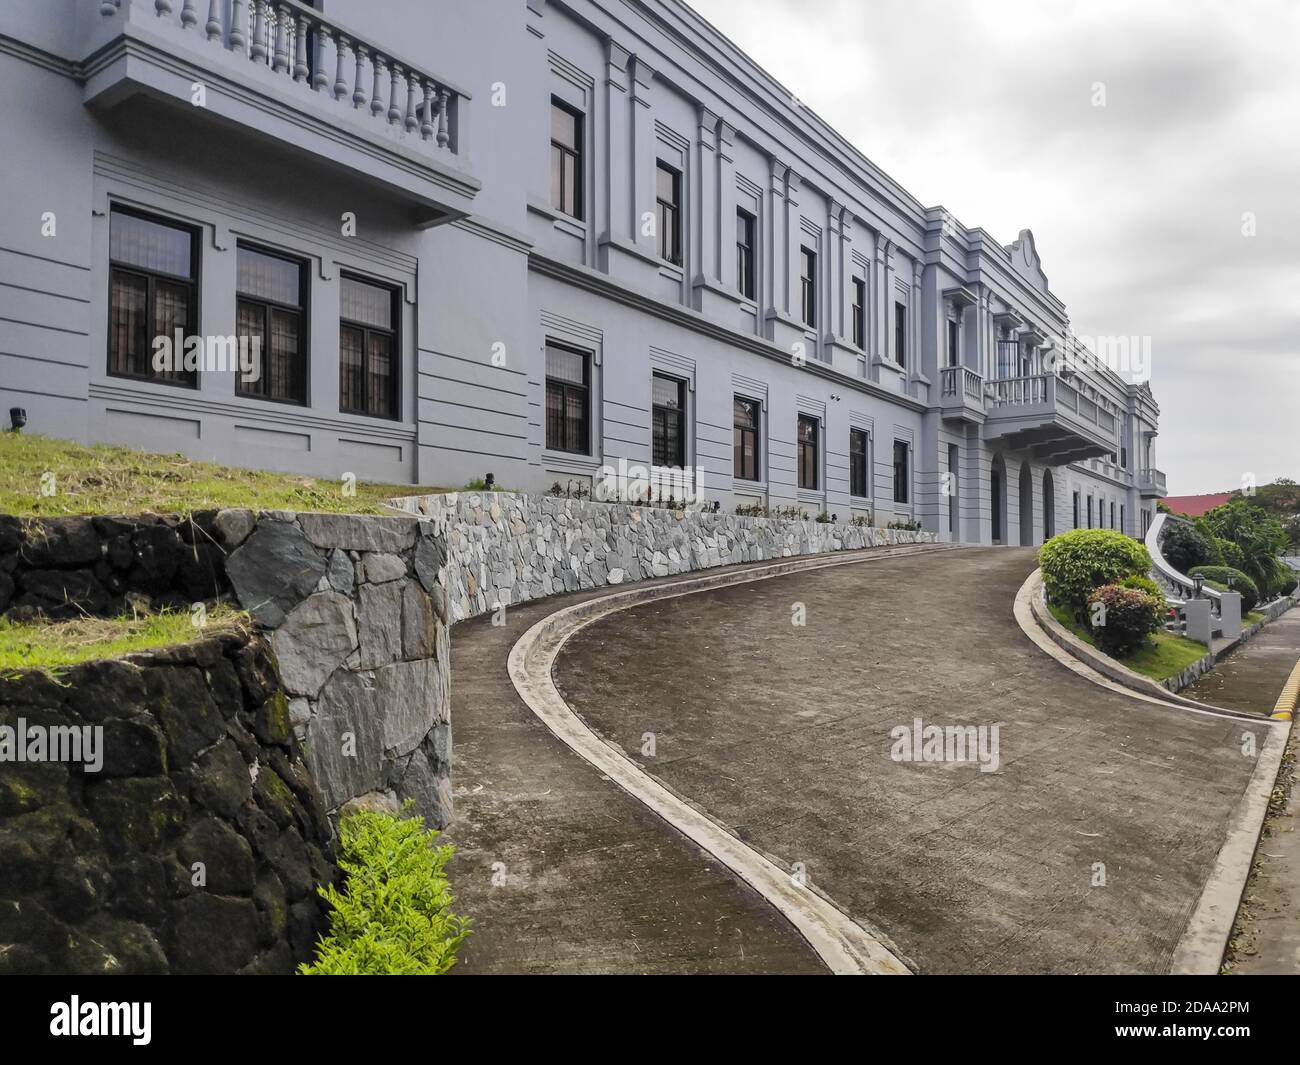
(1195, 506)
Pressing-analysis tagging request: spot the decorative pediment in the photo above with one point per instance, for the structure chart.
(1025, 260)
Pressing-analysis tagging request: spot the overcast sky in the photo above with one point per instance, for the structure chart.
(986, 107)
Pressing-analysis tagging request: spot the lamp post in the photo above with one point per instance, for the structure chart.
(1197, 584)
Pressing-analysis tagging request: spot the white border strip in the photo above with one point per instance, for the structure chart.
(845, 946)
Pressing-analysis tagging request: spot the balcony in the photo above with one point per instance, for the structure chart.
(281, 74)
(1151, 483)
(961, 394)
(1048, 417)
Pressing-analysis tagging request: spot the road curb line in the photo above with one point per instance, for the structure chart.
(843, 944)
(1289, 699)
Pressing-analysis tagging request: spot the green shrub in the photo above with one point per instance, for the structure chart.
(1288, 586)
(1120, 619)
(1219, 576)
(1230, 554)
(1184, 547)
(393, 916)
(1078, 561)
(1144, 584)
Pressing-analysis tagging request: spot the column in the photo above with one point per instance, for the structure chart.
(617, 214)
(643, 152)
(794, 240)
(833, 272)
(777, 246)
(705, 226)
(727, 206)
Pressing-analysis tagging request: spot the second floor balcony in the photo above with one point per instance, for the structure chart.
(1051, 418)
(961, 394)
(1151, 483)
(289, 77)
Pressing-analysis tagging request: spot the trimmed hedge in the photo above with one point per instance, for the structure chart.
(1120, 619)
(1184, 547)
(393, 916)
(1144, 584)
(1080, 560)
(1219, 575)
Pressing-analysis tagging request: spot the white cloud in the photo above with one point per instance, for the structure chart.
(986, 108)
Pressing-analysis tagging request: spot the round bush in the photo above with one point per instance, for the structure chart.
(1240, 583)
(1288, 586)
(1183, 547)
(1144, 584)
(1080, 560)
(1121, 619)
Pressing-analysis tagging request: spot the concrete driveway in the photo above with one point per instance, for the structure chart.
(1084, 850)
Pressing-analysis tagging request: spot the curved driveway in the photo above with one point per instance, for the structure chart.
(1085, 851)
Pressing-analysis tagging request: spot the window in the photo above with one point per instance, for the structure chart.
(1076, 510)
(568, 400)
(858, 450)
(954, 358)
(271, 307)
(952, 486)
(808, 285)
(900, 334)
(809, 429)
(1123, 525)
(901, 480)
(1112, 515)
(745, 415)
(668, 422)
(368, 354)
(566, 159)
(746, 227)
(1090, 512)
(152, 292)
(860, 312)
(668, 190)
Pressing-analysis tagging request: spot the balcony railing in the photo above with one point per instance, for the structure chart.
(958, 382)
(1047, 413)
(1151, 482)
(306, 47)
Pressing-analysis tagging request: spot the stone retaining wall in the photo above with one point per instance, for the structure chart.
(505, 548)
(356, 615)
(195, 847)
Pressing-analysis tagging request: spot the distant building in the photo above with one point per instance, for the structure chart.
(1195, 506)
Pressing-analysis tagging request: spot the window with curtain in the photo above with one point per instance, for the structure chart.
(271, 305)
(368, 351)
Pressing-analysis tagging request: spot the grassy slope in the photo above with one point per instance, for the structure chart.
(50, 645)
(118, 480)
(1163, 657)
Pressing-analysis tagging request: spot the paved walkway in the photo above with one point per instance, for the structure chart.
(1251, 678)
(784, 733)
(561, 871)
(1267, 936)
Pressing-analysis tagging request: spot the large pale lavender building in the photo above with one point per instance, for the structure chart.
(528, 238)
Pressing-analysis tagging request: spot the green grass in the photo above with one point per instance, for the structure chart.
(52, 645)
(1165, 655)
(1254, 618)
(119, 480)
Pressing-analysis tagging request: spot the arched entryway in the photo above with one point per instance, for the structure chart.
(1049, 506)
(998, 499)
(1026, 505)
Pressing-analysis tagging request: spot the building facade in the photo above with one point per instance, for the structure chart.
(531, 238)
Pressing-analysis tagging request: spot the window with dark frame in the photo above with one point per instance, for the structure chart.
(271, 305)
(860, 313)
(152, 292)
(668, 195)
(1076, 510)
(901, 478)
(1112, 515)
(668, 421)
(568, 400)
(954, 358)
(1090, 512)
(808, 285)
(746, 227)
(566, 159)
(809, 432)
(745, 418)
(900, 333)
(369, 358)
(859, 447)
